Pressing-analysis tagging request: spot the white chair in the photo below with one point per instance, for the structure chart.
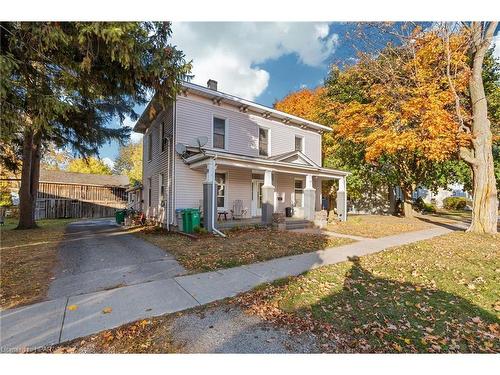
(238, 212)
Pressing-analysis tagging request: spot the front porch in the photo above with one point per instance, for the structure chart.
(254, 221)
(248, 191)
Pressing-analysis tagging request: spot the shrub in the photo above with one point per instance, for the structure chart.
(200, 230)
(423, 207)
(454, 203)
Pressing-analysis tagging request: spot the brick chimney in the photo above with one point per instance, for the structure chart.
(212, 85)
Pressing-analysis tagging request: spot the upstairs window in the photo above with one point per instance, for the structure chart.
(150, 146)
(263, 142)
(219, 134)
(163, 137)
(299, 143)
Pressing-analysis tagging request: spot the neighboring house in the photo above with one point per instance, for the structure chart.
(453, 190)
(78, 195)
(221, 153)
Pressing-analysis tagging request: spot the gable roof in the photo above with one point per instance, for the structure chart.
(64, 177)
(294, 157)
(217, 96)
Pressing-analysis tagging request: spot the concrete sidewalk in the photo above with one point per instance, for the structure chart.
(51, 322)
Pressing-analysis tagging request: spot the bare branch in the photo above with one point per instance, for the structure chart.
(461, 123)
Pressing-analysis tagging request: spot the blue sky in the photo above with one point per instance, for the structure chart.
(262, 62)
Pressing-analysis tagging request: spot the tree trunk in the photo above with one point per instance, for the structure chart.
(30, 175)
(485, 201)
(407, 202)
(392, 201)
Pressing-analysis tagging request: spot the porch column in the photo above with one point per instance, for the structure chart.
(342, 200)
(309, 199)
(267, 198)
(209, 191)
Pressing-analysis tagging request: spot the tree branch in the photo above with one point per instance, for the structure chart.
(467, 155)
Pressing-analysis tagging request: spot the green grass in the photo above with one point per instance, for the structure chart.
(438, 295)
(244, 246)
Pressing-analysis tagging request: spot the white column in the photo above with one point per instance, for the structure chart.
(268, 178)
(209, 204)
(211, 167)
(342, 199)
(267, 198)
(309, 199)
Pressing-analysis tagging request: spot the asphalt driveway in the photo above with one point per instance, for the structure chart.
(97, 255)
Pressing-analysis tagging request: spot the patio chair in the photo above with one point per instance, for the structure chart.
(238, 212)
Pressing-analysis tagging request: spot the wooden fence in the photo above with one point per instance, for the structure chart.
(78, 201)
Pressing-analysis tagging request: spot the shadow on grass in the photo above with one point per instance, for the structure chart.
(375, 314)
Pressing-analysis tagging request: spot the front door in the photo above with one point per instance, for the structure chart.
(257, 197)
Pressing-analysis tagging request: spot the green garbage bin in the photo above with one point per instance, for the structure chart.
(187, 225)
(120, 216)
(195, 217)
(190, 219)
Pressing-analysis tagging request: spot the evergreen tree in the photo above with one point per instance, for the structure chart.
(64, 82)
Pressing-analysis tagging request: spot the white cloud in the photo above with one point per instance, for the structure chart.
(134, 137)
(109, 162)
(496, 42)
(231, 52)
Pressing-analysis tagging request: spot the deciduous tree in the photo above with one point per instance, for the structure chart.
(129, 162)
(89, 165)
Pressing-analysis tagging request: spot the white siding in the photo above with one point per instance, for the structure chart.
(195, 116)
(157, 165)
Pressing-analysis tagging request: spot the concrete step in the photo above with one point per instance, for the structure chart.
(299, 224)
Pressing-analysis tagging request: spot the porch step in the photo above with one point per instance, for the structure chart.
(299, 224)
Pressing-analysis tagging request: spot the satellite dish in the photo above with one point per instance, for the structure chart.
(180, 148)
(202, 141)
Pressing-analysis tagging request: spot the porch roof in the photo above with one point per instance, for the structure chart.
(274, 164)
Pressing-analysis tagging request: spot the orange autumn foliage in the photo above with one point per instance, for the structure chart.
(305, 103)
(408, 107)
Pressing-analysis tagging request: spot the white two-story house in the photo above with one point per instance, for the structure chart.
(223, 154)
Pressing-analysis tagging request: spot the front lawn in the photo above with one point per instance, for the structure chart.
(375, 226)
(438, 295)
(241, 247)
(28, 258)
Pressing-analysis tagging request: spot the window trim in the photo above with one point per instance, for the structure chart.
(268, 140)
(226, 131)
(302, 143)
(295, 192)
(161, 184)
(163, 139)
(150, 191)
(149, 149)
(226, 196)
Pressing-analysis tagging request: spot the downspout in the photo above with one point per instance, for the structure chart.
(168, 186)
(214, 203)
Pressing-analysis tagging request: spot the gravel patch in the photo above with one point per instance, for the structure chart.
(224, 329)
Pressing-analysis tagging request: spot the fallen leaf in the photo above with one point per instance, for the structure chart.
(107, 310)
(476, 319)
(72, 307)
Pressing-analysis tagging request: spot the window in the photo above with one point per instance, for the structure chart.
(162, 187)
(150, 146)
(299, 143)
(263, 142)
(162, 136)
(299, 193)
(219, 136)
(220, 179)
(149, 191)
